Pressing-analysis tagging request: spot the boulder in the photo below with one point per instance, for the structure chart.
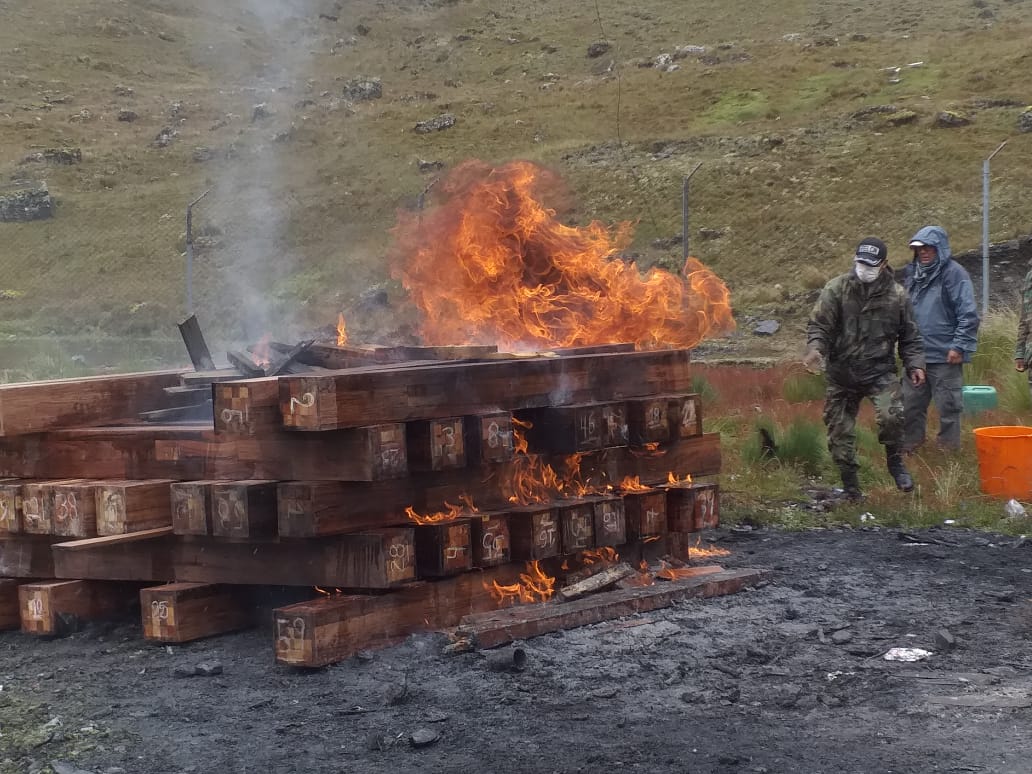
(435, 124)
(1025, 121)
(362, 89)
(25, 201)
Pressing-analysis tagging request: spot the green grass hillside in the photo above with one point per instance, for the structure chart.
(807, 142)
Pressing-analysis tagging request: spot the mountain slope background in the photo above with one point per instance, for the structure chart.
(808, 141)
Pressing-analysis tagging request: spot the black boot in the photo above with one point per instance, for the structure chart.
(898, 471)
(851, 486)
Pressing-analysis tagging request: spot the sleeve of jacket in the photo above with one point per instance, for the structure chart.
(911, 346)
(1025, 321)
(962, 294)
(824, 320)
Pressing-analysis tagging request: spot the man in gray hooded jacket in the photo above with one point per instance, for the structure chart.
(943, 298)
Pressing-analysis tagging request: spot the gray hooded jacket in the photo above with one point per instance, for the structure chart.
(943, 300)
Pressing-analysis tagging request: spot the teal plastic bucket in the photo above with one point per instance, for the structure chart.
(978, 399)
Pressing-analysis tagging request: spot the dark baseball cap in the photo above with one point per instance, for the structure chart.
(871, 251)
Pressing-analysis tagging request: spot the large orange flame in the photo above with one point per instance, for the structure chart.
(490, 263)
(698, 551)
(633, 484)
(451, 513)
(533, 586)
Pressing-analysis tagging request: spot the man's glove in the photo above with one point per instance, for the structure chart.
(813, 361)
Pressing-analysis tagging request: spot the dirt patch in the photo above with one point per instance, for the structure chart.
(787, 678)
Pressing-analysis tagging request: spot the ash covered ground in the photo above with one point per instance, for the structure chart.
(787, 678)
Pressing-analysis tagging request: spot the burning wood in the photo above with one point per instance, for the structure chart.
(599, 581)
(533, 586)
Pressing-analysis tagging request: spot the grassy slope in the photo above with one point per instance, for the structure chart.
(302, 223)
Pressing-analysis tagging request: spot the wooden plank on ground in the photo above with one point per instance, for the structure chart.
(183, 612)
(55, 606)
(499, 627)
(34, 407)
(10, 607)
(330, 629)
(367, 560)
(133, 506)
(443, 390)
(26, 556)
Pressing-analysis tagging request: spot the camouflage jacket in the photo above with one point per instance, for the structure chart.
(1023, 350)
(857, 328)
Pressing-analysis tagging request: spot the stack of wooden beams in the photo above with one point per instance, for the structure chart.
(313, 480)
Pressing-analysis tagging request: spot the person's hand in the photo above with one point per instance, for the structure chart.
(917, 376)
(953, 357)
(1019, 364)
(813, 361)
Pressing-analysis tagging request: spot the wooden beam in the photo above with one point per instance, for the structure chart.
(685, 416)
(10, 506)
(247, 407)
(10, 608)
(534, 532)
(330, 629)
(26, 556)
(707, 505)
(496, 628)
(443, 549)
(184, 612)
(646, 514)
(488, 438)
(648, 420)
(436, 444)
(47, 606)
(576, 525)
(133, 506)
(367, 560)
(244, 509)
(563, 429)
(196, 347)
(74, 511)
(610, 521)
(680, 507)
(38, 506)
(191, 507)
(316, 508)
(33, 407)
(453, 389)
(492, 545)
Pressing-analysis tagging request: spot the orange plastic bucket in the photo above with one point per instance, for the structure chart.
(1005, 460)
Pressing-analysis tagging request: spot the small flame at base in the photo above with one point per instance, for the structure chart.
(533, 586)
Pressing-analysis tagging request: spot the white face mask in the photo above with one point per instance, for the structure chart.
(866, 274)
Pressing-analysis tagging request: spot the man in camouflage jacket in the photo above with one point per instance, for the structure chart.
(856, 326)
(1023, 350)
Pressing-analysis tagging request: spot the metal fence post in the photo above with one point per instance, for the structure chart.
(684, 214)
(985, 230)
(189, 253)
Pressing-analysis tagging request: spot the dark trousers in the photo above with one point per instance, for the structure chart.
(944, 384)
(841, 404)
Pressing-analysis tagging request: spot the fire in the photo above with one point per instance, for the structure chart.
(342, 330)
(490, 262)
(673, 480)
(451, 514)
(699, 552)
(670, 573)
(633, 484)
(605, 555)
(533, 586)
(262, 351)
(643, 578)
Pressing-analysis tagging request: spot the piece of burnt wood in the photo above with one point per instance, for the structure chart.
(198, 378)
(10, 506)
(593, 349)
(610, 521)
(606, 577)
(73, 508)
(196, 347)
(489, 438)
(367, 560)
(436, 444)
(446, 352)
(54, 607)
(246, 363)
(707, 505)
(132, 506)
(26, 556)
(534, 532)
(191, 507)
(490, 539)
(681, 507)
(685, 416)
(184, 395)
(442, 390)
(443, 549)
(244, 509)
(646, 514)
(10, 607)
(332, 628)
(489, 630)
(316, 508)
(37, 500)
(648, 420)
(184, 612)
(34, 407)
(562, 430)
(576, 525)
(283, 361)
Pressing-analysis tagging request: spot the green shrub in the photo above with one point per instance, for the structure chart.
(706, 391)
(804, 445)
(803, 387)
